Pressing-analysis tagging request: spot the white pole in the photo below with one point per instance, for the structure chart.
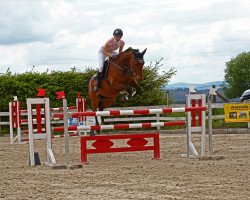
(31, 136)
(50, 156)
(212, 92)
(11, 127)
(66, 134)
(188, 128)
(210, 125)
(203, 126)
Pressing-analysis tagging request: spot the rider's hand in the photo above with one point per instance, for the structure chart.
(115, 56)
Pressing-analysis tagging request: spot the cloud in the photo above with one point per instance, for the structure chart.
(17, 52)
(23, 22)
(195, 37)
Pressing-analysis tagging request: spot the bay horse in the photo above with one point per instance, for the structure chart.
(123, 73)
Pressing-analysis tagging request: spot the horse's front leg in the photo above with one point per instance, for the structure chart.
(101, 117)
(137, 90)
(97, 123)
(129, 91)
(93, 132)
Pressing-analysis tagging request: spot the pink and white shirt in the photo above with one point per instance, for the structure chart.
(112, 45)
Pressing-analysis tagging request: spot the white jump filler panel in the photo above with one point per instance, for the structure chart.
(191, 150)
(46, 135)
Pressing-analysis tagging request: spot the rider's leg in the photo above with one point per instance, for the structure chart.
(101, 58)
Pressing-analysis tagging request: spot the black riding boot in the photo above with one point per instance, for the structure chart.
(98, 80)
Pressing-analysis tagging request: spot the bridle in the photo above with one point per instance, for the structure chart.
(129, 71)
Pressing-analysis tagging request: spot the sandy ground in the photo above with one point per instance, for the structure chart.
(130, 175)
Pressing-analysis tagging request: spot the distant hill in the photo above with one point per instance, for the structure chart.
(178, 96)
(178, 91)
(198, 86)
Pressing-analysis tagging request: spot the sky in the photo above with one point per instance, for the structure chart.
(195, 37)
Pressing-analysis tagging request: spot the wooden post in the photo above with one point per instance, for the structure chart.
(214, 96)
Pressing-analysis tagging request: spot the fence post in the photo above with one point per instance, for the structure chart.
(11, 127)
(66, 134)
(210, 125)
(158, 120)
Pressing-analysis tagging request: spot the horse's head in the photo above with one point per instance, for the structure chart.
(136, 63)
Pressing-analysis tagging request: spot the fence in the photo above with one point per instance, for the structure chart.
(4, 123)
(156, 117)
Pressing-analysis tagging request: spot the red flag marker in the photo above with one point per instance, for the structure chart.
(60, 95)
(41, 92)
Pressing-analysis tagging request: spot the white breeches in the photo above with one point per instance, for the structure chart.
(102, 57)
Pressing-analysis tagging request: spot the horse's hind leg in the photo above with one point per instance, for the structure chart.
(92, 132)
(101, 106)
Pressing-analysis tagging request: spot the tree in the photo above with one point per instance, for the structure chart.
(237, 75)
(152, 84)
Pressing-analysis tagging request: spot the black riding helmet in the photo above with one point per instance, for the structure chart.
(118, 32)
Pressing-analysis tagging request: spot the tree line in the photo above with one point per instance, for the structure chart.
(25, 86)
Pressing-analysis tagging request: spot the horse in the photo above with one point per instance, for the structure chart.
(124, 72)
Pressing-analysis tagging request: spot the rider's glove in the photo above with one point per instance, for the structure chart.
(115, 56)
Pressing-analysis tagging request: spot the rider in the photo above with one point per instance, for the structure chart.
(109, 50)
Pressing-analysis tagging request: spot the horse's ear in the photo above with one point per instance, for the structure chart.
(142, 53)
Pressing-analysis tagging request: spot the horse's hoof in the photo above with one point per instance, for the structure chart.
(92, 133)
(124, 99)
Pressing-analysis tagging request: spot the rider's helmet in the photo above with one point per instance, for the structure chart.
(118, 32)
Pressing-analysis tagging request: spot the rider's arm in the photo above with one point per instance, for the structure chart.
(120, 49)
(122, 43)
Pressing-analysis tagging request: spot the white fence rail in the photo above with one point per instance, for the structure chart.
(4, 114)
(157, 117)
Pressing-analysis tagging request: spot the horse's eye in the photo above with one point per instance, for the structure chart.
(141, 60)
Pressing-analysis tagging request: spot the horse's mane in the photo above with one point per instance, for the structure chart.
(131, 49)
(136, 52)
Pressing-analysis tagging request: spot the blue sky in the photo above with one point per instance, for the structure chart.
(195, 37)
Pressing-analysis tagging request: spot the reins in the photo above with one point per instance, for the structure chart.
(123, 69)
(126, 69)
